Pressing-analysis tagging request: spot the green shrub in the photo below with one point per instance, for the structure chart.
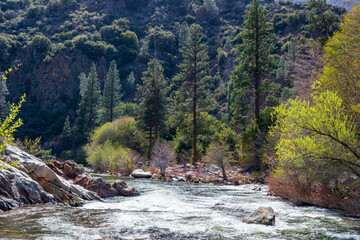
(107, 156)
(41, 43)
(122, 132)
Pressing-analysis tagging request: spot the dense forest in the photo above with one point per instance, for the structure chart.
(271, 86)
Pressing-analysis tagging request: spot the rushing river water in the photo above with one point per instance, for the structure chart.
(177, 211)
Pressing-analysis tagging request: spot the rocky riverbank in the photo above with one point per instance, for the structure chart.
(202, 173)
(25, 179)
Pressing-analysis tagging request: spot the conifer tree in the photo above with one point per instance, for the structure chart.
(3, 93)
(153, 99)
(253, 64)
(131, 81)
(66, 134)
(111, 95)
(88, 107)
(193, 81)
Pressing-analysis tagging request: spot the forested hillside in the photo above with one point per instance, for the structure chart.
(55, 41)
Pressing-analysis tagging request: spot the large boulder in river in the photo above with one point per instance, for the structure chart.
(139, 173)
(263, 215)
(124, 189)
(96, 184)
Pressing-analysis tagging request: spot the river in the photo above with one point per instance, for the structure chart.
(177, 211)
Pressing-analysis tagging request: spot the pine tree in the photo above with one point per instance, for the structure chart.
(111, 96)
(131, 82)
(211, 8)
(89, 106)
(253, 64)
(193, 81)
(153, 99)
(66, 134)
(3, 93)
(321, 18)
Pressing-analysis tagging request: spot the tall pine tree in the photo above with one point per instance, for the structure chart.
(4, 109)
(193, 81)
(153, 99)
(89, 105)
(111, 95)
(253, 65)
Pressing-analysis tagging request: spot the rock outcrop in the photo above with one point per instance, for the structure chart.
(263, 215)
(24, 179)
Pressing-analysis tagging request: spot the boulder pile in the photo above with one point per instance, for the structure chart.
(25, 179)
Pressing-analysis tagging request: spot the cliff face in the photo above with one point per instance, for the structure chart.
(32, 181)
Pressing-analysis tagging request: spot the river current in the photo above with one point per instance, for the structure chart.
(177, 211)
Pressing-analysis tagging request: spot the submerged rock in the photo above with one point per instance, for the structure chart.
(139, 173)
(263, 215)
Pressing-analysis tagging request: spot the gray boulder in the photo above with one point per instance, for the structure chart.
(263, 215)
(139, 173)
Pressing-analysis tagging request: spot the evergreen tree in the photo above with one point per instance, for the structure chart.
(66, 134)
(211, 8)
(66, 129)
(193, 81)
(131, 81)
(183, 33)
(321, 18)
(88, 108)
(153, 99)
(83, 81)
(3, 93)
(253, 64)
(111, 95)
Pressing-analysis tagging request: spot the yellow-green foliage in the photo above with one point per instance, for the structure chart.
(34, 147)
(107, 156)
(318, 139)
(341, 72)
(122, 131)
(9, 125)
(111, 145)
(319, 135)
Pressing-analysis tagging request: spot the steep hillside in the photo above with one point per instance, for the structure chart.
(56, 40)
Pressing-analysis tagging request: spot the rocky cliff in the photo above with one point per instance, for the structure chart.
(25, 179)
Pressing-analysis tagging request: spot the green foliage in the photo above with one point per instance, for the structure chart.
(319, 136)
(41, 43)
(9, 125)
(111, 95)
(126, 109)
(122, 132)
(211, 8)
(209, 129)
(321, 18)
(253, 65)
(193, 81)
(341, 69)
(33, 147)
(152, 95)
(107, 156)
(88, 110)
